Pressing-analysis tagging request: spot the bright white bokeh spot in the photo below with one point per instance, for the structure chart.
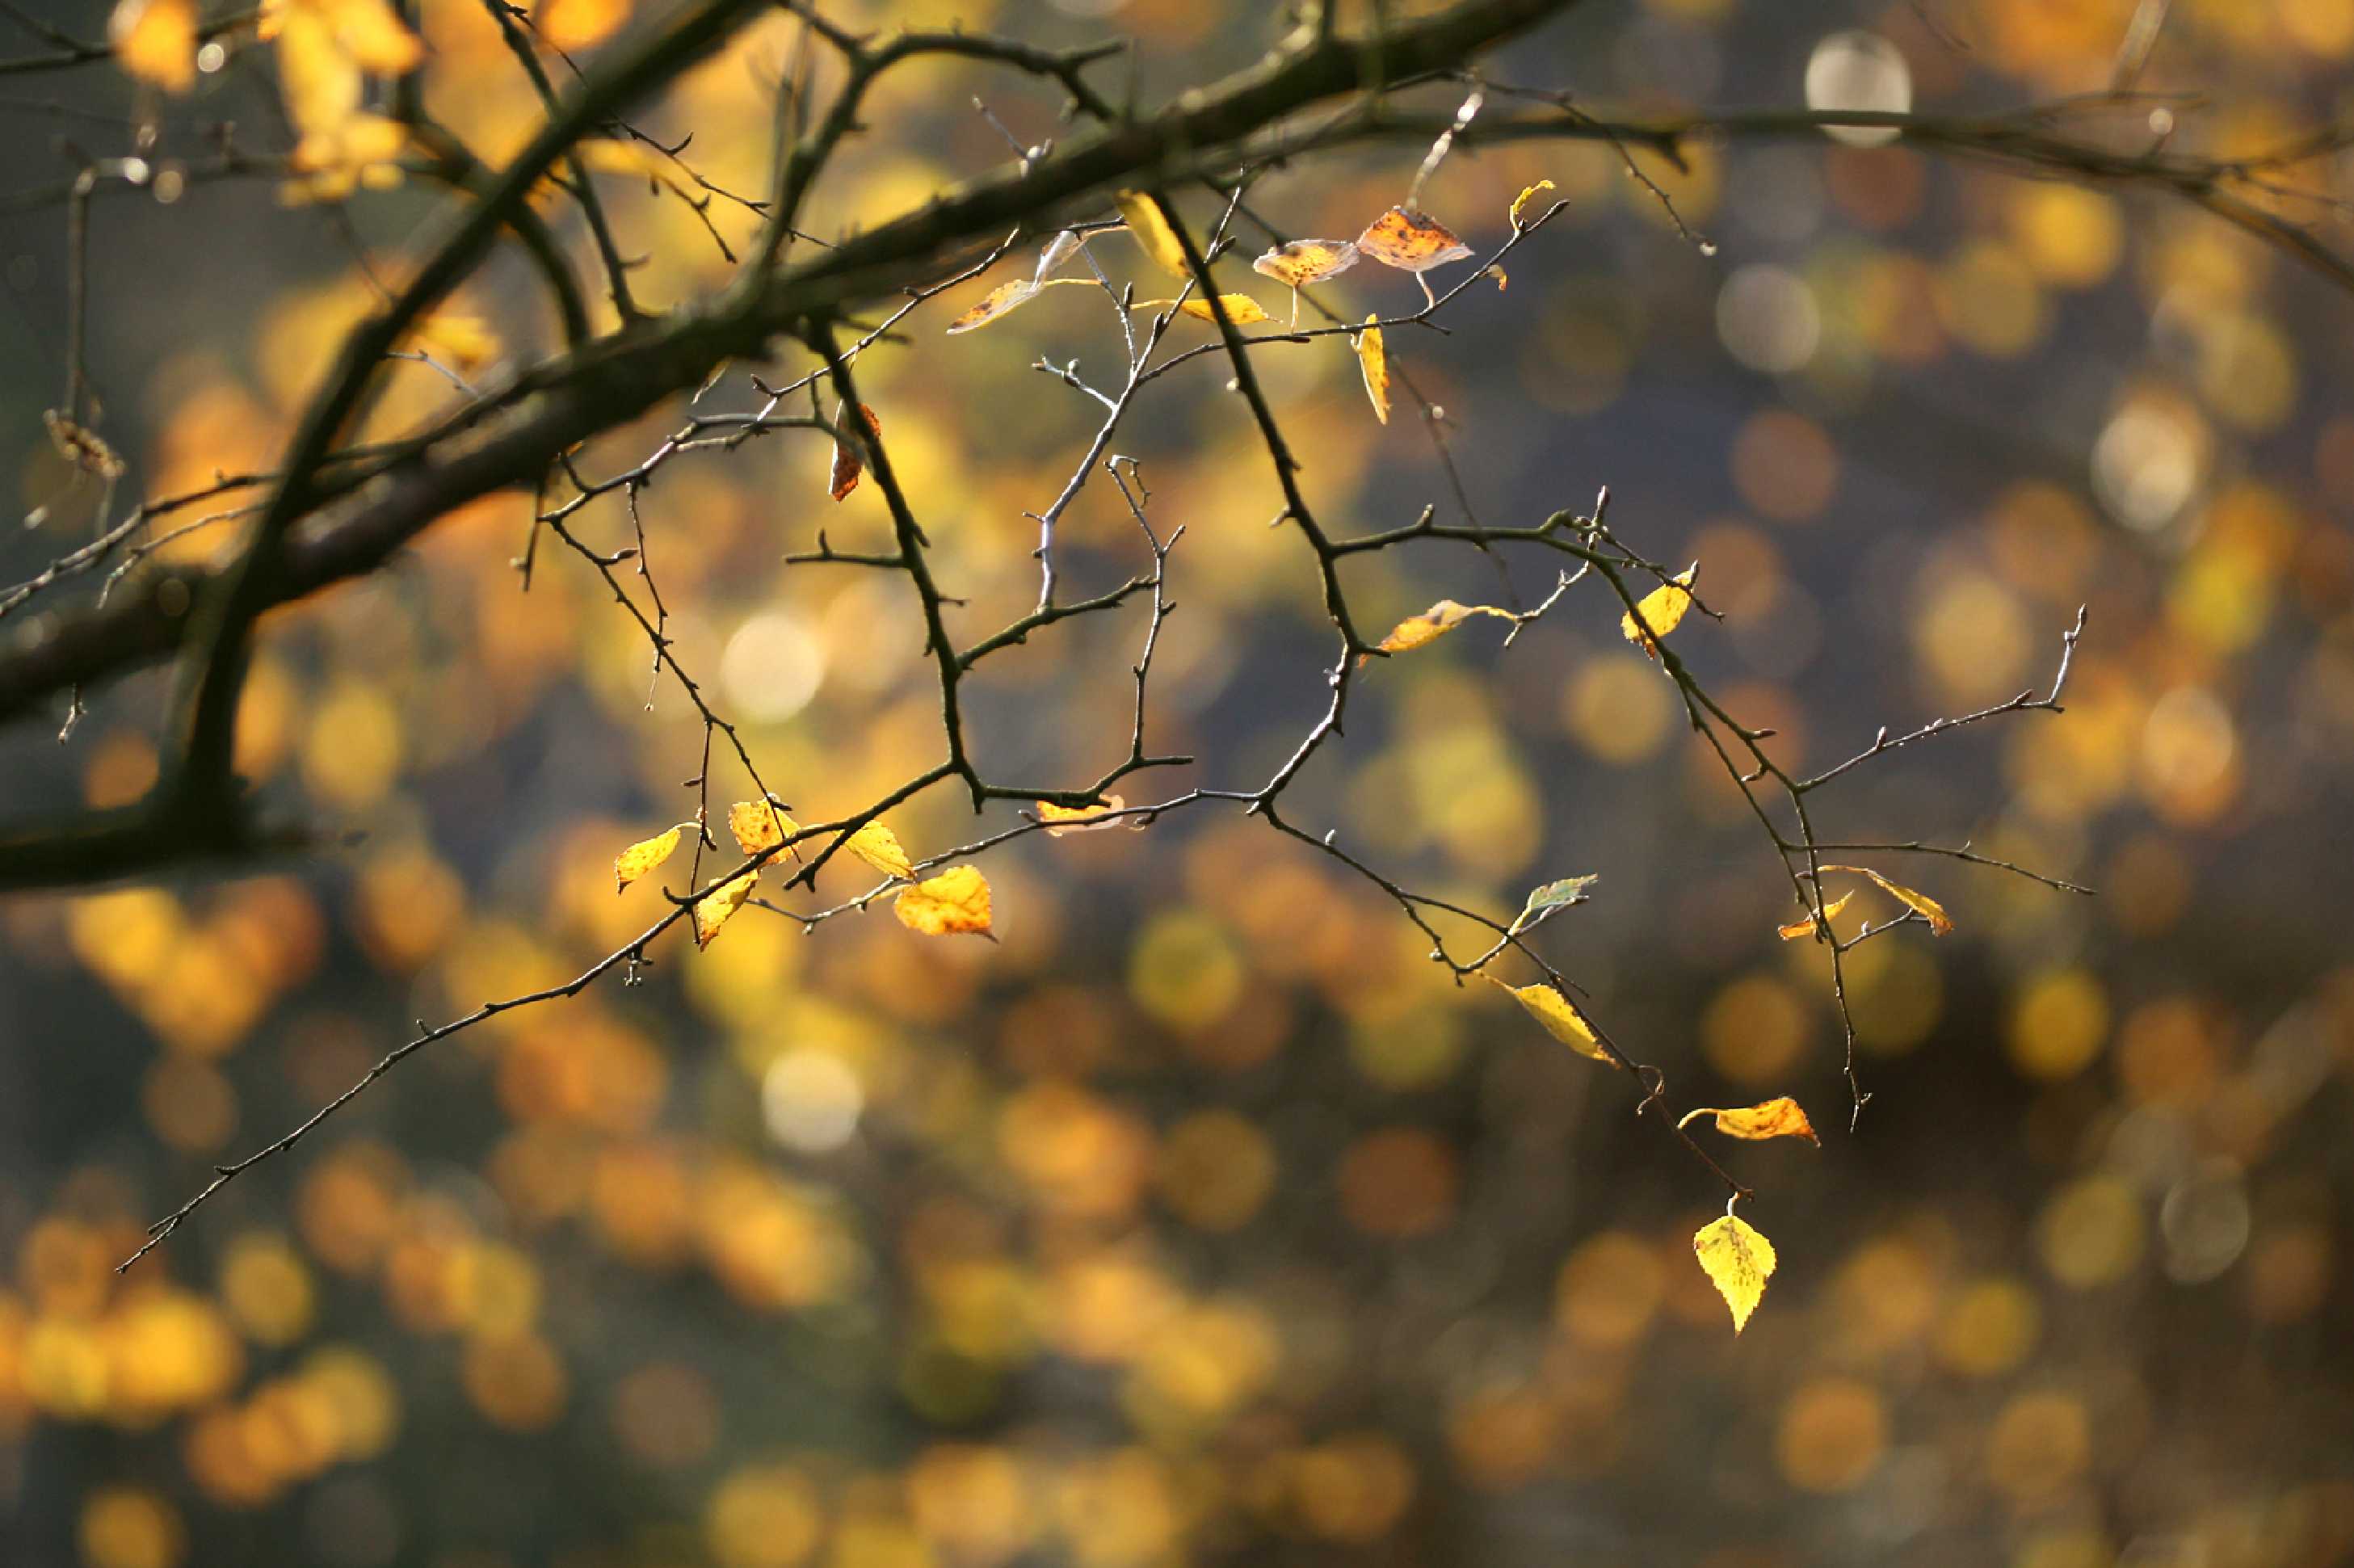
(2146, 466)
(1859, 70)
(771, 668)
(1768, 319)
(810, 1102)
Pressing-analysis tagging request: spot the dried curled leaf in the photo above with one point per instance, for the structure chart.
(1241, 309)
(1660, 609)
(878, 846)
(1411, 241)
(1738, 1260)
(82, 447)
(1374, 361)
(1526, 196)
(642, 857)
(578, 24)
(1061, 820)
(759, 825)
(1558, 1014)
(1921, 903)
(1416, 631)
(954, 903)
(1306, 261)
(1553, 895)
(847, 464)
(1805, 926)
(1502, 282)
(1004, 299)
(714, 908)
(155, 41)
(1772, 1118)
(1150, 223)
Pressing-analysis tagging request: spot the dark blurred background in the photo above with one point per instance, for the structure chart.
(1202, 1219)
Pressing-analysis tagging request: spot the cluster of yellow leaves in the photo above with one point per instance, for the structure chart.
(847, 464)
(1418, 631)
(1660, 611)
(155, 41)
(1738, 1260)
(1921, 903)
(1780, 1117)
(325, 48)
(1374, 361)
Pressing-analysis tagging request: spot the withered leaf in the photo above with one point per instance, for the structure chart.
(847, 464)
(1411, 241)
(759, 825)
(1304, 261)
(1522, 200)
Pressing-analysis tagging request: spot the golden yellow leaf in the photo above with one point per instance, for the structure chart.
(1411, 241)
(1738, 1260)
(1805, 926)
(1416, 631)
(155, 41)
(1004, 299)
(1374, 361)
(953, 903)
(1241, 309)
(759, 825)
(1559, 1015)
(1305, 261)
(1522, 200)
(457, 338)
(371, 33)
(714, 908)
(358, 150)
(642, 857)
(1061, 820)
(610, 155)
(1150, 225)
(847, 464)
(1772, 1119)
(318, 79)
(1919, 904)
(578, 24)
(1502, 282)
(1661, 609)
(878, 846)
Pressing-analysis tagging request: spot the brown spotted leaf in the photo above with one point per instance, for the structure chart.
(1419, 631)
(1772, 1119)
(1305, 261)
(954, 903)
(847, 464)
(759, 825)
(1411, 241)
(1004, 300)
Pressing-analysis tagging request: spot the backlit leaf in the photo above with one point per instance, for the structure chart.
(1374, 361)
(578, 24)
(1416, 631)
(1061, 820)
(371, 33)
(1241, 309)
(759, 825)
(1921, 903)
(155, 41)
(317, 76)
(459, 339)
(1774, 1118)
(1805, 927)
(1305, 261)
(878, 846)
(642, 857)
(1004, 299)
(1738, 1260)
(1150, 225)
(1522, 200)
(714, 908)
(847, 464)
(1559, 1015)
(1553, 895)
(955, 902)
(1660, 609)
(1411, 241)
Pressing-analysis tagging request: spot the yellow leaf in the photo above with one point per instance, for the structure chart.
(317, 76)
(1241, 309)
(1919, 904)
(155, 41)
(642, 857)
(609, 155)
(1061, 820)
(578, 24)
(1502, 282)
(1526, 196)
(1805, 928)
(1559, 1015)
(1738, 1260)
(953, 903)
(1661, 609)
(759, 825)
(1774, 1118)
(463, 340)
(1305, 261)
(1004, 299)
(370, 32)
(1416, 631)
(1411, 241)
(1374, 361)
(1153, 230)
(878, 846)
(714, 908)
